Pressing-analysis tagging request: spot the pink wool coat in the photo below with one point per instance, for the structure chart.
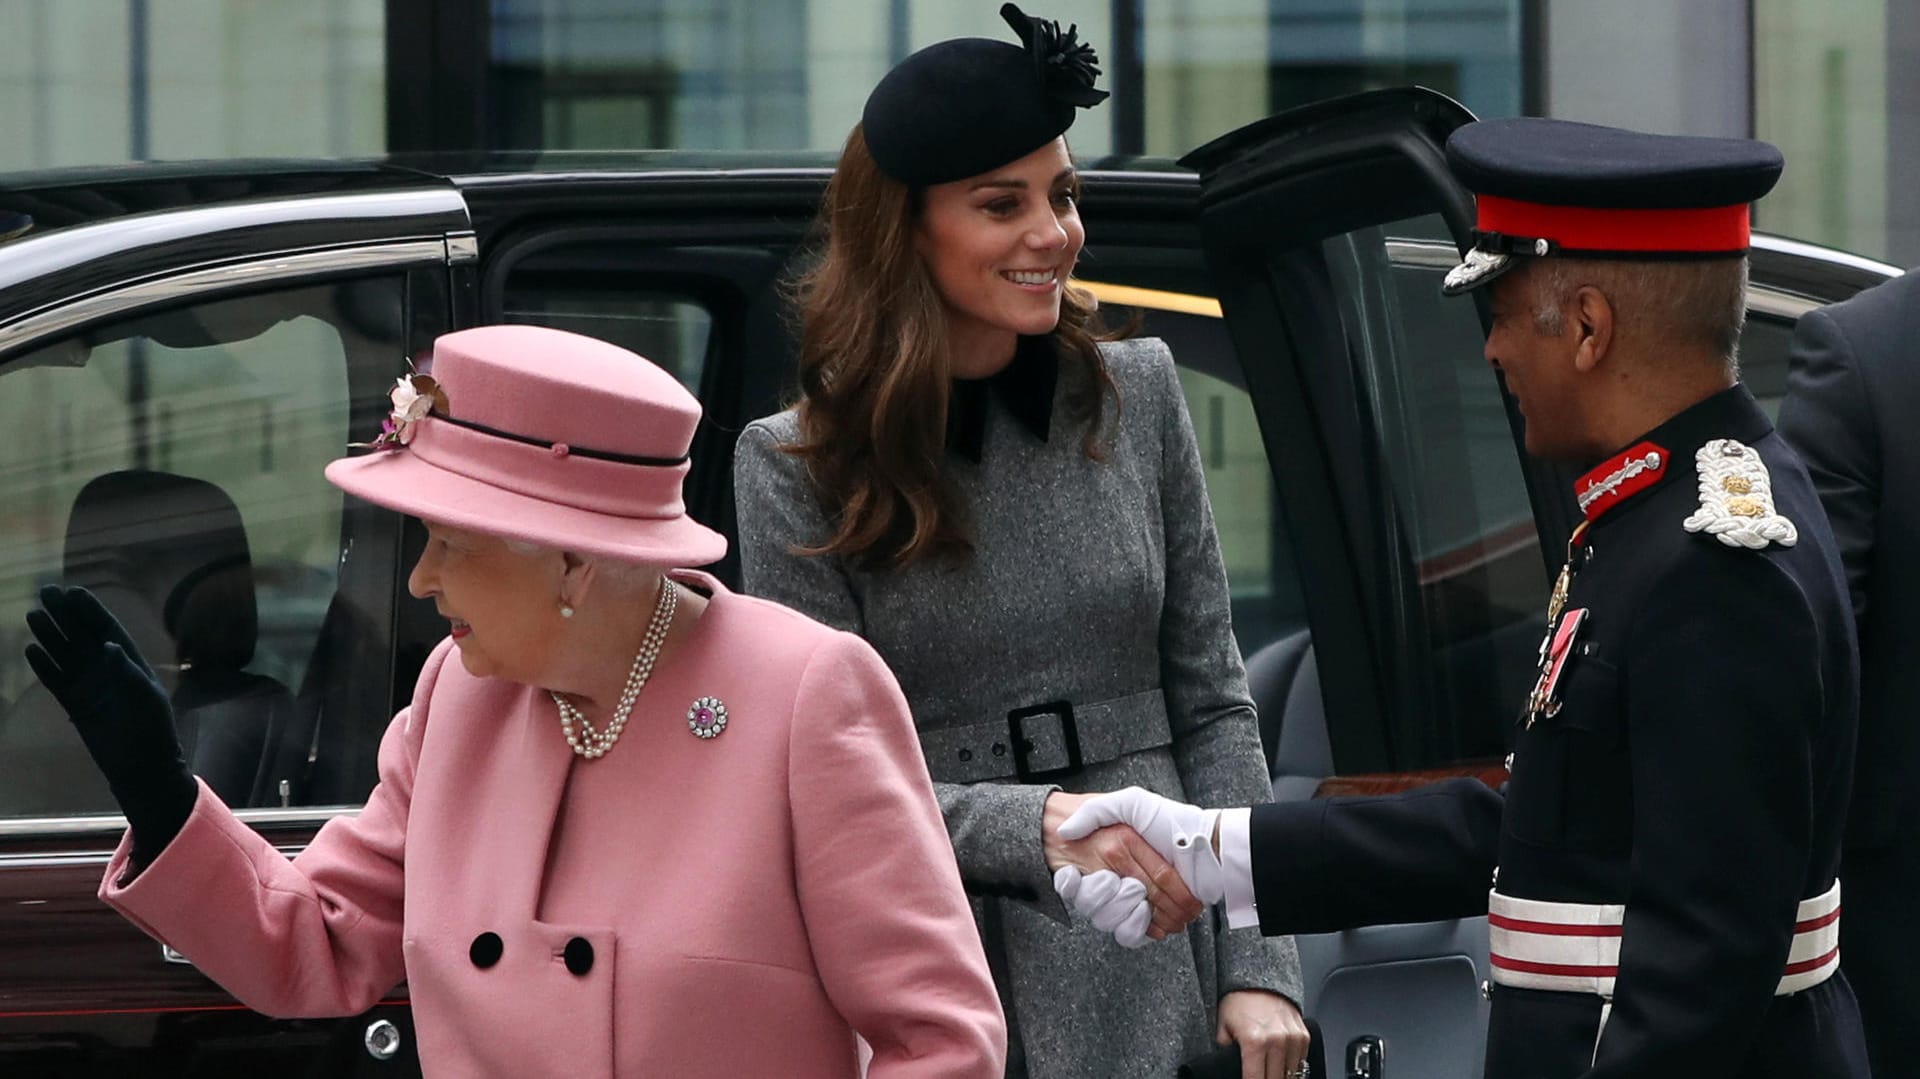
(730, 907)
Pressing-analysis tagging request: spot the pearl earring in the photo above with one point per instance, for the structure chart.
(566, 611)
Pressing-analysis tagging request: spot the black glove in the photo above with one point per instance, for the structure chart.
(86, 660)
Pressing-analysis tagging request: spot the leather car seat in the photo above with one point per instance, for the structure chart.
(1284, 682)
(168, 555)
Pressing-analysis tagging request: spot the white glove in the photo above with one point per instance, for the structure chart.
(1181, 833)
(1113, 903)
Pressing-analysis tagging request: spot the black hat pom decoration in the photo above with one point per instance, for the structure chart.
(1067, 65)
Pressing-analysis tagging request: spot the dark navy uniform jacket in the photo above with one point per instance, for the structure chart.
(1696, 769)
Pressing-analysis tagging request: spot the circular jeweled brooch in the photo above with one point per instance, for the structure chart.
(707, 717)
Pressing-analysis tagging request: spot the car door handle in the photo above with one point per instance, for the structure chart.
(1366, 1058)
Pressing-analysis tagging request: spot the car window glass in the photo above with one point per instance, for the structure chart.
(1261, 575)
(1456, 489)
(672, 331)
(1240, 490)
(172, 463)
(1764, 347)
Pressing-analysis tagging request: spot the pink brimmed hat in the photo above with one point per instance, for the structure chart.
(545, 436)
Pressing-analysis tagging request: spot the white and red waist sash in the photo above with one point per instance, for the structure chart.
(1575, 947)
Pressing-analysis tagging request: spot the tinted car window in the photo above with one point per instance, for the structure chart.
(173, 464)
(672, 331)
(1456, 487)
(1261, 570)
(1764, 347)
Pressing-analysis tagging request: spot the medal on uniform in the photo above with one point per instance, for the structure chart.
(1545, 699)
(1562, 585)
(1557, 601)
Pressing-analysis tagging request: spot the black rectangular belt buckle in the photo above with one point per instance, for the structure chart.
(1022, 746)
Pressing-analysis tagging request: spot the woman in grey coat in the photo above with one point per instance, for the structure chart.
(1014, 515)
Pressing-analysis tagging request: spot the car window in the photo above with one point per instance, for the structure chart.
(172, 463)
(1456, 487)
(1765, 344)
(1261, 574)
(672, 331)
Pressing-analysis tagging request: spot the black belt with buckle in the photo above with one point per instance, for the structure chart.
(1039, 742)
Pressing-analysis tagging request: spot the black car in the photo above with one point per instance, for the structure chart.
(183, 347)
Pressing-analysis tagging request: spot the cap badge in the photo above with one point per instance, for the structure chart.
(1736, 498)
(707, 717)
(1475, 267)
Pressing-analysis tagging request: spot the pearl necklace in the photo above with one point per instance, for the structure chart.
(590, 743)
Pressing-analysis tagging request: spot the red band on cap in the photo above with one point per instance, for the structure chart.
(1576, 228)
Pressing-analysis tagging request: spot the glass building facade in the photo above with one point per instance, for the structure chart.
(1836, 83)
(741, 74)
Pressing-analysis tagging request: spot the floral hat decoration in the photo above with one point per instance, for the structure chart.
(559, 439)
(962, 107)
(414, 396)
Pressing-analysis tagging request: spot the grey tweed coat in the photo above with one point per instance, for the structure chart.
(1090, 581)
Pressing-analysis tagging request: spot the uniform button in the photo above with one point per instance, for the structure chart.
(999, 749)
(1496, 876)
(1486, 990)
(486, 950)
(579, 956)
(966, 754)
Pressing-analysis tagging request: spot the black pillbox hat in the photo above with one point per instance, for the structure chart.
(1555, 187)
(962, 107)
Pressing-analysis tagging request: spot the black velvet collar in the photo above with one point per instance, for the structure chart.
(1025, 387)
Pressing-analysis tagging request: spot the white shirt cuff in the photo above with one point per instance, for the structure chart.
(1236, 860)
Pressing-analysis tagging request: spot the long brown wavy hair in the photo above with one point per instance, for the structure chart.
(874, 378)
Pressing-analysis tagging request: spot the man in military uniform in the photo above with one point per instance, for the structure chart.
(1666, 898)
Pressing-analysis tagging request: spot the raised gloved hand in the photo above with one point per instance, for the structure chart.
(1183, 834)
(1113, 903)
(84, 657)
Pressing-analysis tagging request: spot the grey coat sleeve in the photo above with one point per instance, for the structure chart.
(994, 827)
(1828, 418)
(1216, 738)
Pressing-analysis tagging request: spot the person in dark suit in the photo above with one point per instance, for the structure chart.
(1664, 858)
(1852, 391)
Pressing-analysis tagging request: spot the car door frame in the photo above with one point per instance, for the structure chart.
(1271, 194)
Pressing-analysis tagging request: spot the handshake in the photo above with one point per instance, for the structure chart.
(1135, 864)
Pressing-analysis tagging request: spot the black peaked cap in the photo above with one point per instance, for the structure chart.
(1563, 163)
(962, 107)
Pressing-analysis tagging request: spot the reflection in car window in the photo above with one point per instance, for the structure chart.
(173, 464)
(1457, 488)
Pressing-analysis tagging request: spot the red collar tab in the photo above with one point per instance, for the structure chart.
(1620, 477)
(1714, 230)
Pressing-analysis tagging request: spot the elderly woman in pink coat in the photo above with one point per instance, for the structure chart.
(632, 824)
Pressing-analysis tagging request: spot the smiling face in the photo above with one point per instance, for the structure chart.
(503, 605)
(999, 248)
(1538, 364)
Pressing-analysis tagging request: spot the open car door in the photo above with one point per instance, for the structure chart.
(1397, 463)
